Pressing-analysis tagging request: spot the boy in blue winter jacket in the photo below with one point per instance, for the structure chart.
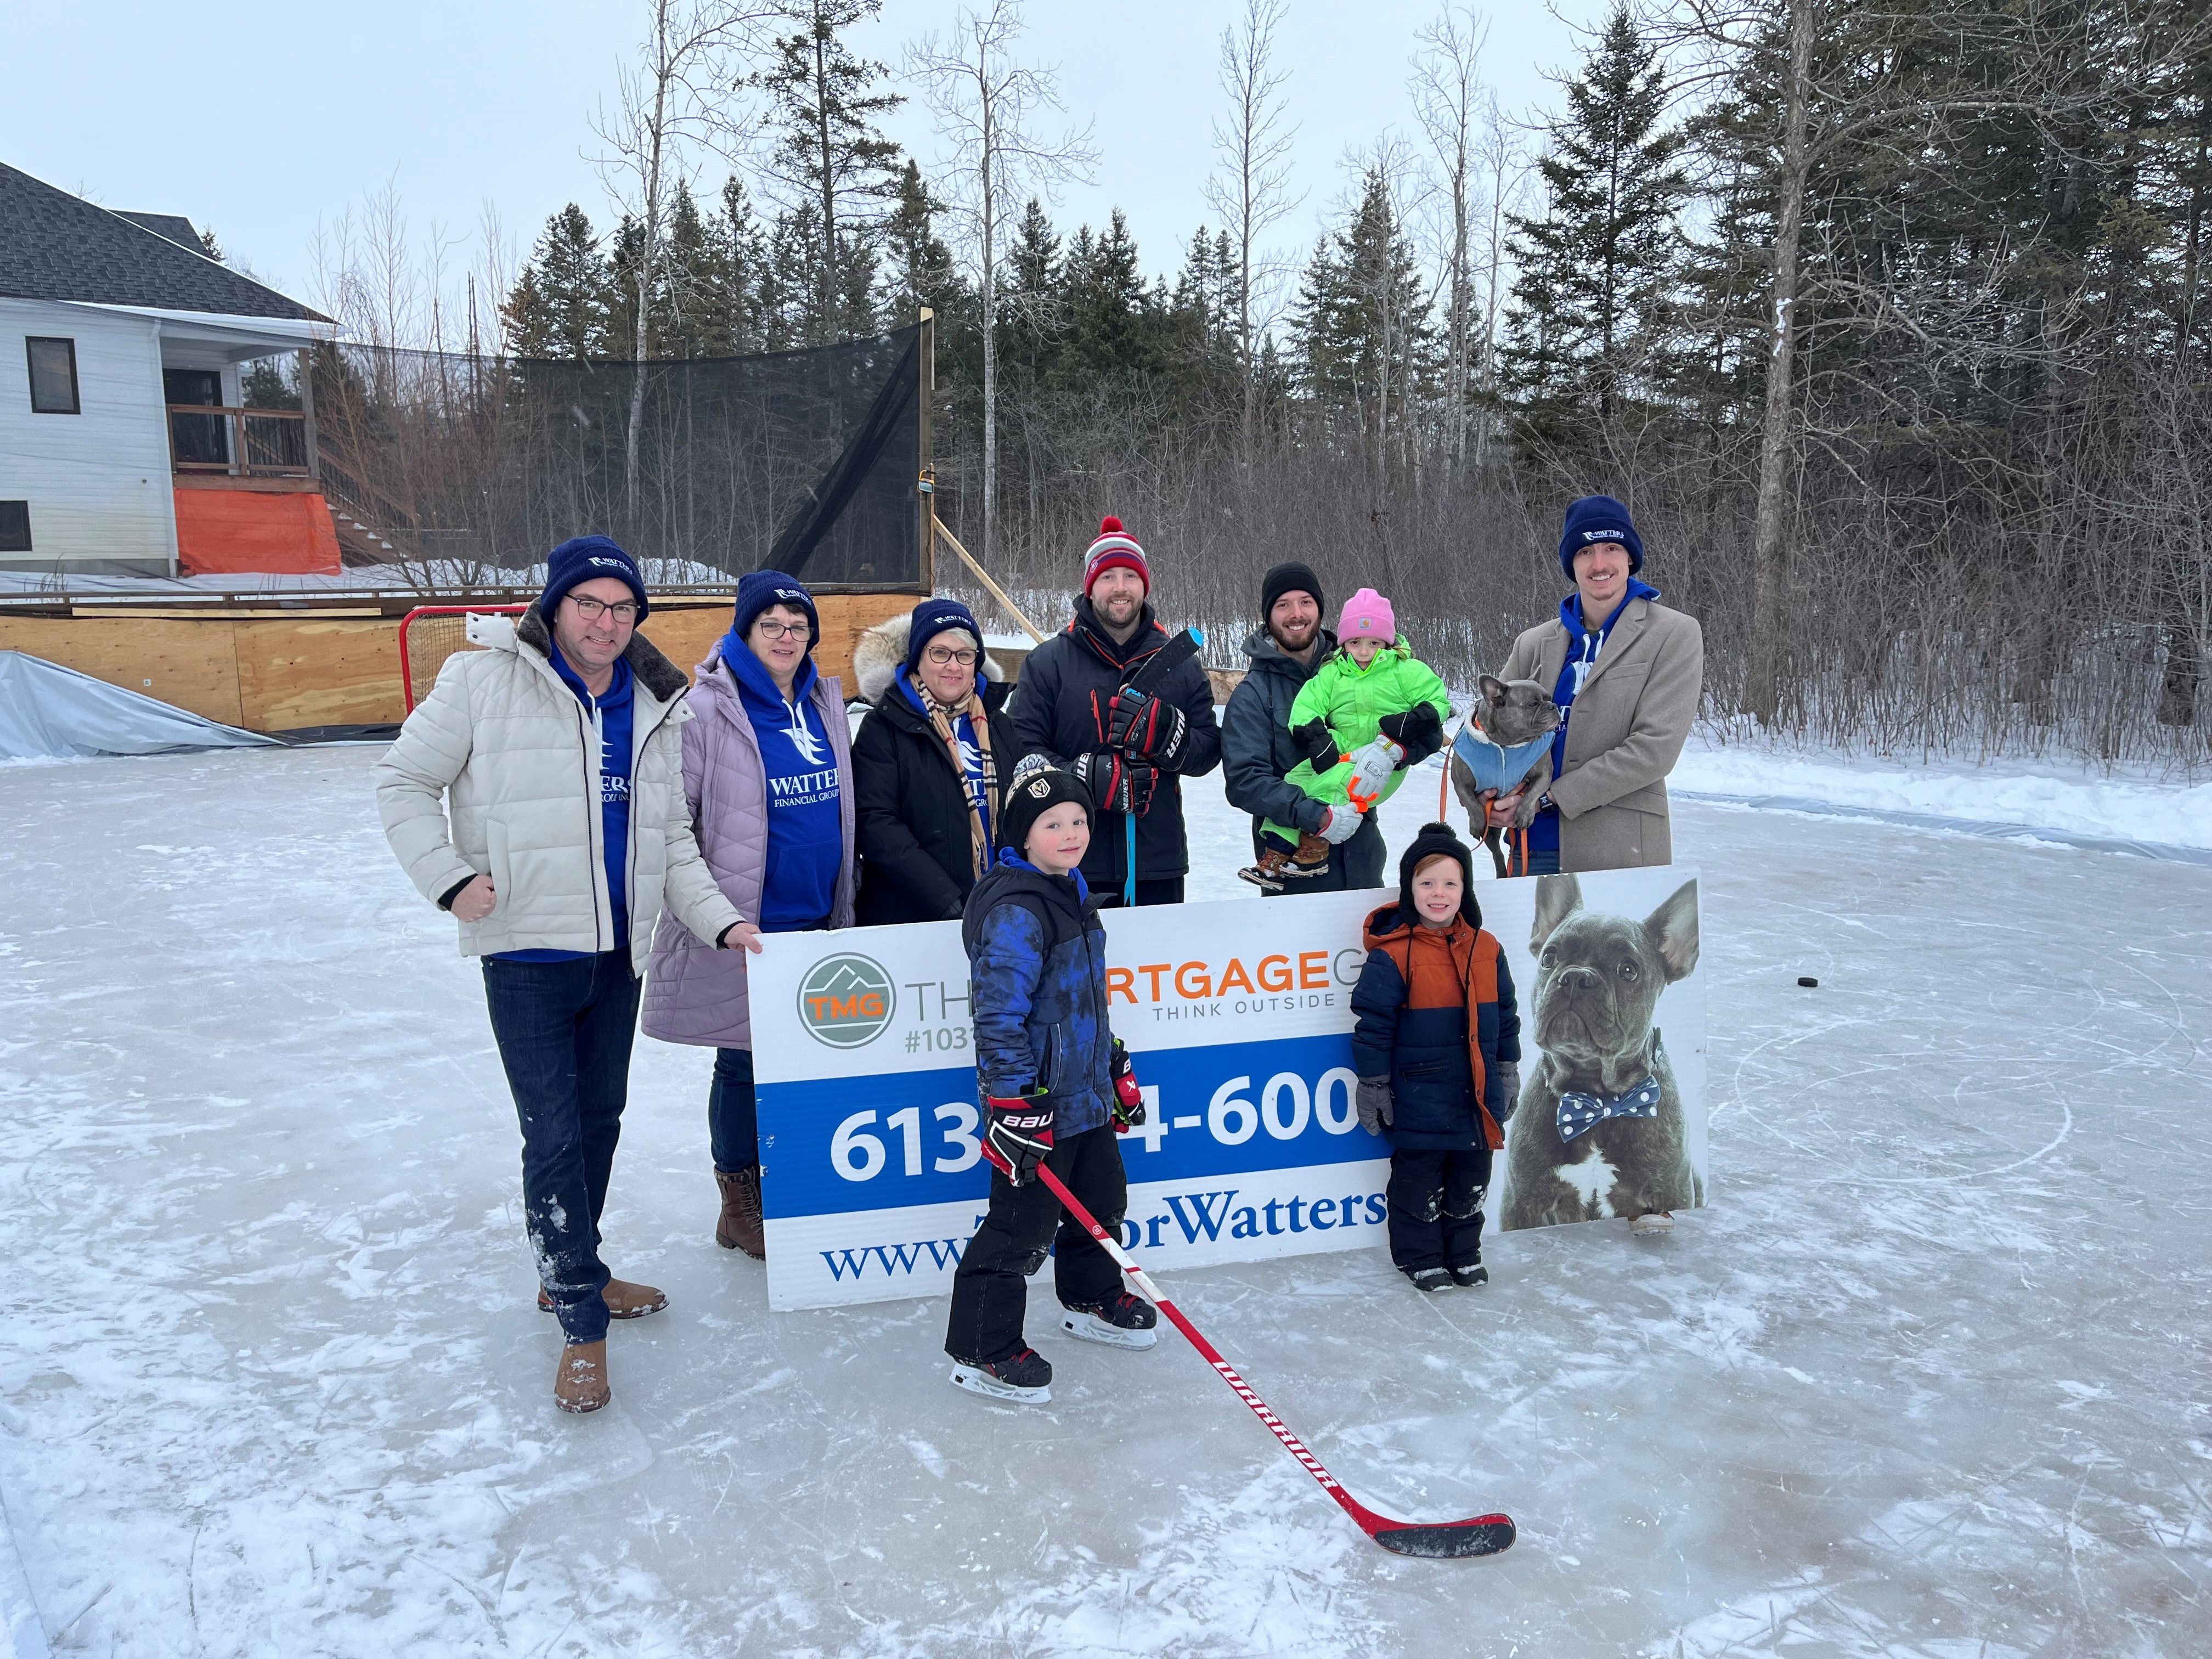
(1057, 1089)
(1437, 1048)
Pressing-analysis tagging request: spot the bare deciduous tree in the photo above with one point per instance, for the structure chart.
(1250, 190)
(674, 98)
(1447, 92)
(984, 105)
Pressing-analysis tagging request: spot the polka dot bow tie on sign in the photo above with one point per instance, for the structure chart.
(1579, 1112)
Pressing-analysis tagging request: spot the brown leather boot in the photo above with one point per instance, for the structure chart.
(740, 1227)
(580, 1382)
(624, 1300)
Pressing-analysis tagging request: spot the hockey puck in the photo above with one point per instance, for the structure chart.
(1807, 980)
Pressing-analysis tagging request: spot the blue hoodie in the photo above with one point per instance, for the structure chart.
(806, 834)
(1583, 649)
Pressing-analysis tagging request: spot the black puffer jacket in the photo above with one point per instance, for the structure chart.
(1256, 751)
(912, 825)
(1060, 711)
(1255, 734)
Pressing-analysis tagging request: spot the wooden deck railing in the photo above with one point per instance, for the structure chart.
(256, 448)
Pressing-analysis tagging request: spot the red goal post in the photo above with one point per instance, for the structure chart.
(431, 633)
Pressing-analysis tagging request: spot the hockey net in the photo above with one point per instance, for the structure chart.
(431, 633)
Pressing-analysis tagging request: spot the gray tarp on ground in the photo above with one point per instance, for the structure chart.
(48, 710)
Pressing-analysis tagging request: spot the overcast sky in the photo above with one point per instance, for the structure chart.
(259, 119)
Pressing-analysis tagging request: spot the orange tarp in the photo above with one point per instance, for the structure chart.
(226, 531)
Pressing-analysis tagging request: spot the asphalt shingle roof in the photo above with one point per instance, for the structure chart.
(60, 246)
(174, 226)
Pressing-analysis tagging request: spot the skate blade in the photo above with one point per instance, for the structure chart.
(1091, 1329)
(991, 1388)
(1266, 884)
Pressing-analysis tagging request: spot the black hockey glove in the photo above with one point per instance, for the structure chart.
(1315, 743)
(1116, 783)
(1144, 728)
(1419, 731)
(1020, 1136)
(1129, 1098)
(1106, 775)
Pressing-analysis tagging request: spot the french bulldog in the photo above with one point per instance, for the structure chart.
(1599, 1131)
(1504, 746)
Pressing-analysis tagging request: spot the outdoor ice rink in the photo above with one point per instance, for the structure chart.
(1931, 1377)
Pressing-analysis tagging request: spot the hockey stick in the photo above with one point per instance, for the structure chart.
(1481, 1534)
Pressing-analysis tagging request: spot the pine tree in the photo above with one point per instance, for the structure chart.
(920, 268)
(1111, 317)
(558, 306)
(828, 155)
(695, 267)
(1361, 323)
(791, 278)
(739, 326)
(1597, 270)
(624, 249)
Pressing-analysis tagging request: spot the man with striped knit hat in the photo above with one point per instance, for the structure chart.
(1086, 703)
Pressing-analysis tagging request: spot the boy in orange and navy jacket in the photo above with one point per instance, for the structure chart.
(1437, 1048)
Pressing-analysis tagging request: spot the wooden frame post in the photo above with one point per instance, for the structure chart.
(307, 409)
(926, 464)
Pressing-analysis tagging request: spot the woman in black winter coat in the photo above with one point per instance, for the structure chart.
(926, 819)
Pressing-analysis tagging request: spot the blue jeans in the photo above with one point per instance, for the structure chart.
(1542, 861)
(564, 1031)
(732, 1125)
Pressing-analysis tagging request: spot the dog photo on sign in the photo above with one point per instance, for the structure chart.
(1601, 1127)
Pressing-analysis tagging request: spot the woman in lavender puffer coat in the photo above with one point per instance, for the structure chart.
(768, 773)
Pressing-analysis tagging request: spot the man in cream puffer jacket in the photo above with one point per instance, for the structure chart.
(537, 793)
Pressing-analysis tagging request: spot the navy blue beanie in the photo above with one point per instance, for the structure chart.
(1599, 518)
(932, 617)
(582, 559)
(762, 590)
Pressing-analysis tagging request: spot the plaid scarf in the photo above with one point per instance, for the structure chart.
(942, 716)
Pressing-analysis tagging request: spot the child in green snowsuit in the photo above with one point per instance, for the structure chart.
(1371, 710)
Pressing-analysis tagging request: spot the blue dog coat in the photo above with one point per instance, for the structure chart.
(1496, 769)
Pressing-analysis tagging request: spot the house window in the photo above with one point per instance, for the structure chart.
(14, 527)
(53, 376)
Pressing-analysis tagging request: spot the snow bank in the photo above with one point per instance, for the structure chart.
(2049, 794)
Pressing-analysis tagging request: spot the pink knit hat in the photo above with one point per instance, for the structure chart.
(1367, 615)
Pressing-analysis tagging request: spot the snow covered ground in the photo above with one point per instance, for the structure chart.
(2130, 805)
(1928, 1378)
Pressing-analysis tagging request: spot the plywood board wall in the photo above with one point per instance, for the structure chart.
(279, 673)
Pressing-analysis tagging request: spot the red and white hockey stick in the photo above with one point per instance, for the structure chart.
(1481, 1534)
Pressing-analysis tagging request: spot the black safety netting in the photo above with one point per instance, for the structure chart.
(803, 461)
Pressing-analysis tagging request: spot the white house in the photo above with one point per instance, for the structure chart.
(126, 447)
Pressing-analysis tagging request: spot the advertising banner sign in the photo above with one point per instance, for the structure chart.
(1238, 1014)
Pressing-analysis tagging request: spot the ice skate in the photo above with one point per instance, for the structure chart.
(1022, 1379)
(1122, 1320)
(1655, 1225)
(1429, 1279)
(1472, 1275)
